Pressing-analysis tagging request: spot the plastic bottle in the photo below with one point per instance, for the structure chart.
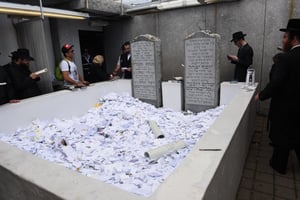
(250, 78)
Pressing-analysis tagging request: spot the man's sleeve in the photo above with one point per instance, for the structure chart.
(64, 67)
(20, 81)
(119, 60)
(245, 57)
(10, 91)
(279, 76)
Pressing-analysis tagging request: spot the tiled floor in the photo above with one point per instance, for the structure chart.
(259, 181)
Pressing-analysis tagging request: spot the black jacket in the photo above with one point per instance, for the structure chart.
(284, 91)
(97, 74)
(125, 62)
(245, 55)
(86, 66)
(25, 86)
(6, 88)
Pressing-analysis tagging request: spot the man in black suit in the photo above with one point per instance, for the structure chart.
(24, 81)
(124, 62)
(244, 57)
(283, 89)
(7, 90)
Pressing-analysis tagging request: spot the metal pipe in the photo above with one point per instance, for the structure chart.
(292, 8)
(87, 4)
(42, 12)
(122, 8)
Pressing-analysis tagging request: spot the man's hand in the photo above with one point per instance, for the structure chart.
(123, 69)
(33, 76)
(232, 57)
(86, 83)
(256, 98)
(80, 84)
(14, 101)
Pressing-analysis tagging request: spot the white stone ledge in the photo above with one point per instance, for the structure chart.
(210, 175)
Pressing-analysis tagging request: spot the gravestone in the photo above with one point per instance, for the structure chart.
(201, 81)
(146, 69)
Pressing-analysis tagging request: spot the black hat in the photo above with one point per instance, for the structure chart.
(66, 48)
(293, 25)
(14, 55)
(23, 54)
(237, 36)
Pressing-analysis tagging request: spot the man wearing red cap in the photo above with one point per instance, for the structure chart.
(283, 89)
(69, 68)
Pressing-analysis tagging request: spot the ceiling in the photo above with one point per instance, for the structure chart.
(48, 3)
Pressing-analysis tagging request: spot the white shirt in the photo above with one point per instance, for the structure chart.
(73, 73)
(295, 46)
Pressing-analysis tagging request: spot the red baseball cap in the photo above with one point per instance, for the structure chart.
(66, 48)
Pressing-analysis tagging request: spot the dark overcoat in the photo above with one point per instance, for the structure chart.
(245, 57)
(284, 91)
(25, 87)
(6, 88)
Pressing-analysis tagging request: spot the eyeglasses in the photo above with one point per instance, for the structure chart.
(72, 51)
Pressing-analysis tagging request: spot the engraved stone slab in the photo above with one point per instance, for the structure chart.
(146, 69)
(201, 71)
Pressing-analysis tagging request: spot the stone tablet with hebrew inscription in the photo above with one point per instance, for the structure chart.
(201, 71)
(146, 69)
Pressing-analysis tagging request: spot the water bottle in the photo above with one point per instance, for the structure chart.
(250, 78)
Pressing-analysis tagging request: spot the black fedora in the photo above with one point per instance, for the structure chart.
(293, 25)
(24, 54)
(238, 35)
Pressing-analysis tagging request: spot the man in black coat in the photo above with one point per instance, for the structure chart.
(87, 61)
(24, 81)
(7, 93)
(124, 62)
(283, 89)
(244, 57)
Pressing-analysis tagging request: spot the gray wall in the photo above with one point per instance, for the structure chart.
(260, 19)
(8, 37)
(35, 36)
(67, 31)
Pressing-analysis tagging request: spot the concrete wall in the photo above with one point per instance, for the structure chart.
(260, 19)
(67, 31)
(9, 41)
(44, 39)
(35, 36)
